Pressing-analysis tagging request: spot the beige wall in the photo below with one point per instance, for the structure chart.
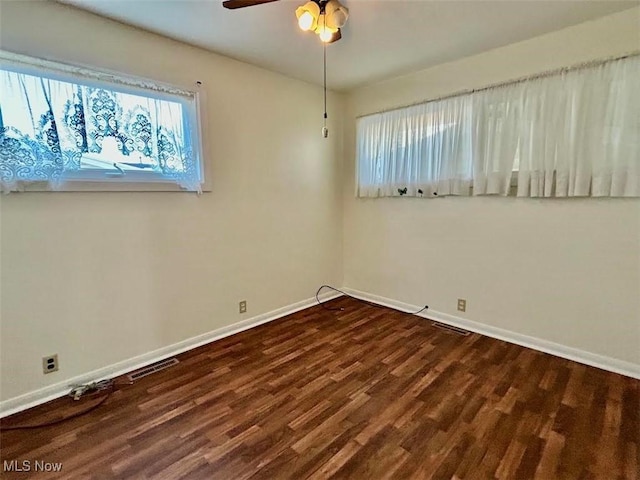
(566, 271)
(102, 277)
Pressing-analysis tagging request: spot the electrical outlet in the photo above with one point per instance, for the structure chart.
(50, 364)
(462, 305)
(242, 306)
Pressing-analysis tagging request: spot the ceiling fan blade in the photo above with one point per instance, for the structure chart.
(233, 4)
(336, 36)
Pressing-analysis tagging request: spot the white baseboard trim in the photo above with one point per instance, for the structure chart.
(581, 356)
(51, 392)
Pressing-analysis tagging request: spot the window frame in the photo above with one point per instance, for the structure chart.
(128, 84)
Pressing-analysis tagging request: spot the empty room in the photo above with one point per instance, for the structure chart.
(290, 239)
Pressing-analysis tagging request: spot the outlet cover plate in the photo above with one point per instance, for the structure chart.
(50, 364)
(462, 305)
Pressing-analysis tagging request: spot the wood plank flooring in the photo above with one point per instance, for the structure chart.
(364, 393)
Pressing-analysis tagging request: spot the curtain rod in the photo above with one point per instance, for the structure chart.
(547, 73)
(25, 61)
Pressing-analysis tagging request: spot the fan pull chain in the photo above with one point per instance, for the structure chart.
(325, 130)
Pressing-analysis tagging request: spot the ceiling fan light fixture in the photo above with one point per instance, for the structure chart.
(308, 15)
(324, 30)
(336, 13)
(325, 34)
(306, 21)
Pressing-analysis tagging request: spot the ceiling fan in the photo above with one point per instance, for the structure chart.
(324, 17)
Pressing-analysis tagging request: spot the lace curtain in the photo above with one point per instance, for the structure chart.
(49, 127)
(571, 134)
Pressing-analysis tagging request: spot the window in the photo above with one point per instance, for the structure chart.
(570, 133)
(63, 125)
(423, 150)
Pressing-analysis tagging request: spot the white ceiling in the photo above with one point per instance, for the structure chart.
(382, 39)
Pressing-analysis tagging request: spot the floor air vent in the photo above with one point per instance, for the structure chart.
(449, 328)
(153, 368)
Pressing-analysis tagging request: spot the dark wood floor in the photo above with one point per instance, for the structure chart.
(366, 393)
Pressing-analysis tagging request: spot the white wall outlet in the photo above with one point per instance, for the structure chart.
(50, 364)
(242, 306)
(462, 305)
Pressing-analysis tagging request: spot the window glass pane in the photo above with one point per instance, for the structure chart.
(55, 130)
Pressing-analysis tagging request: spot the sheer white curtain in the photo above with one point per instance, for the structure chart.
(570, 134)
(579, 133)
(425, 149)
(495, 140)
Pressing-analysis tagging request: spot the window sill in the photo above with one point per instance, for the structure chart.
(80, 186)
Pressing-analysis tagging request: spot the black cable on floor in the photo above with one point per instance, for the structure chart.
(359, 299)
(60, 420)
(331, 309)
